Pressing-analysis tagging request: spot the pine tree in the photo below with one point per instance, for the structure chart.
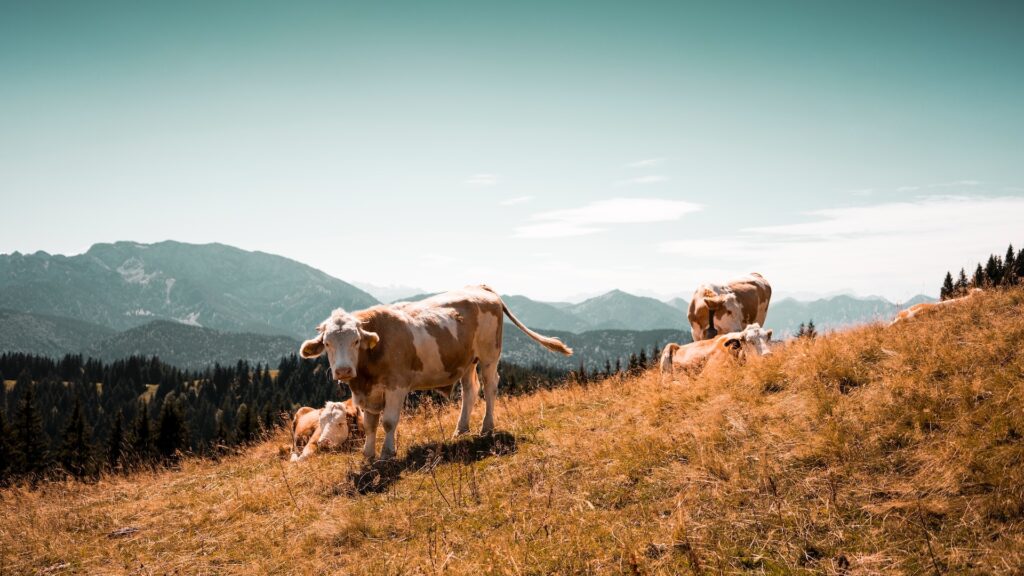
(75, 454)
(994, 270)
(802, 331)
(642, 361)
(618, 365)
(115, 445)
(607, 367)
(244, 424)
(947, 288)
(961, 284)
(1009, 267)
(142, 440)
(979, 280)
(171, 434)
(6, 450)
(1019, 265)
(811, 331)
(31, 456)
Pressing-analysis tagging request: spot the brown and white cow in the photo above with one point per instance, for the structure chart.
(324, 428)
(386, 351)
(721, 308)
(695, 357)
(926, 307)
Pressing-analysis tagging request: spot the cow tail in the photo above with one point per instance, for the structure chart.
(551, 343)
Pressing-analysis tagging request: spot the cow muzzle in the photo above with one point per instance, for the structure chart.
(344, 373)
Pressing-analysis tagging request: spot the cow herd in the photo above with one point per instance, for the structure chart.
(387, 351)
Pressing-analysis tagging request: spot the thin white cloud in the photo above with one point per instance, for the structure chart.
(863, 192)
(898, 247)
(516, 200)
(481, 180)
(956, 184)
(934, 185)
(646, 163)
(597, 216)
(649, 179)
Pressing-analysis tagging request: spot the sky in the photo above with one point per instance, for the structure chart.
(557, 150)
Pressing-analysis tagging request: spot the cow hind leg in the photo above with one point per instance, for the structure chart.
(470, 390)
(489, 373)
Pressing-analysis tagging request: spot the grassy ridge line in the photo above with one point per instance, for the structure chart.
(865, 452)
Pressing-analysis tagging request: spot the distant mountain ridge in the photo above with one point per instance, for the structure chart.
(125, 284)
(182, 301)
(786, 315)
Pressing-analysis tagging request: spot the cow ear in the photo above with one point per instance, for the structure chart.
(769, 334)
(312, 348)
(370, 339)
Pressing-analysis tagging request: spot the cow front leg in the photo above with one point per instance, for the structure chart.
(470, 390)
(370, 446)
(394, 401)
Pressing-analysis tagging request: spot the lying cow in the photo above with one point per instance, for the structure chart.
(386, 351)
(926, 307)
(717, 308)
(324, 428)
(693, 358)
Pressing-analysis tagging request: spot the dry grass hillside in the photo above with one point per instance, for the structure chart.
(870, 451)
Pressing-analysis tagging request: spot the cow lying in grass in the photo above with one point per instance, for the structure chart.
(694, 358)
(926, 307)
(325, 428)
(386, 351)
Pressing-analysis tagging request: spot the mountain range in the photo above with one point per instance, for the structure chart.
(197, 304)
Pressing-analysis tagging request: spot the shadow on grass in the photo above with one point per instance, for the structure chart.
(379, 476)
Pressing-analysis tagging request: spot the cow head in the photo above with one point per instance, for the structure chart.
(751, 342)
(333, 425)
(342, 337)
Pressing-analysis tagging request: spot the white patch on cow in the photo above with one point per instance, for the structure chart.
(333, 425)
(732, 318)
(426, 349)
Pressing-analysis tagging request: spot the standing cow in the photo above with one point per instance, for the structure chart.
(386, 351)
(717, 308)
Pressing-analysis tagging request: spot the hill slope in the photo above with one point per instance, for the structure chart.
(125, 284)
(47, 335)
(192, 347)
(871, 451)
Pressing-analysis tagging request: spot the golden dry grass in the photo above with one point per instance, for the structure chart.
(866, 452)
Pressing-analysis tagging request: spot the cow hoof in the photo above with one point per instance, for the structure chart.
(460, 433)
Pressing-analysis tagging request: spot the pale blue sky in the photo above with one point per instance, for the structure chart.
(555, 151)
